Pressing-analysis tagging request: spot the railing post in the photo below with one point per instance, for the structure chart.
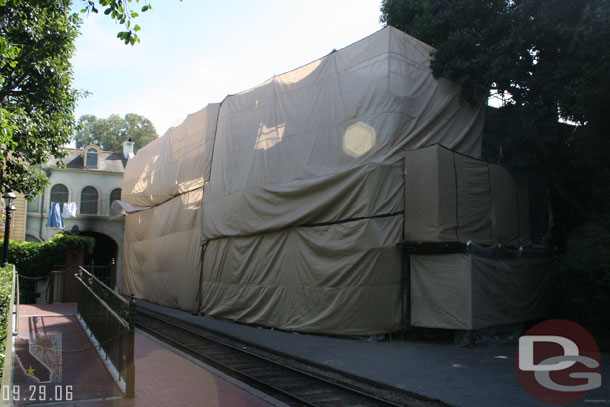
(111, 320)
(131, 367)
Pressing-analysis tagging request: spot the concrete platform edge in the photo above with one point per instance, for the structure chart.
(217, 372)
(169, 311)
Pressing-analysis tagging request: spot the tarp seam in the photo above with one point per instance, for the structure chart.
(372, 164)
(383, 215)
(457, 217)
(491, 234)
(312, 225)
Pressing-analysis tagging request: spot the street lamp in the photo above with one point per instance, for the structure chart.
(10, 208)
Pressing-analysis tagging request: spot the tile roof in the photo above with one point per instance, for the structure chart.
(108, 161)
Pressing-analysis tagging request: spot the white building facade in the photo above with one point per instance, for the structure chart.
(91, 179)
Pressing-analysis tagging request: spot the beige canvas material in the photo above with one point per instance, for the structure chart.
(339, 279)
(441, 291)
(163, 251)
(325, 127)
(471, 291)
(173, 164)
(453, 197)
(303, 191)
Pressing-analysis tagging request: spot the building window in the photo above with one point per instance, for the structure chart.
(34, 204)
(115, 195)
(59, 194)
(88, 201)
(91, 160)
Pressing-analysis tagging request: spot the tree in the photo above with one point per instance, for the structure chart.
(109, 134)
(120, 11)
(36, 95)
(37, 100)
(550, 59)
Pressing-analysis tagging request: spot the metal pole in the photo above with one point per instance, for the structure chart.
(7, 232)
(130, 376)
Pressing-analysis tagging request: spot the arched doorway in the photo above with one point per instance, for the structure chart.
(102, 262)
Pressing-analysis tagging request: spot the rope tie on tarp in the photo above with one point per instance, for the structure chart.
(491, 207)
(457, 217)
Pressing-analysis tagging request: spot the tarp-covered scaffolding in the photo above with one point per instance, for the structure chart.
(283, 205)
(480, 287)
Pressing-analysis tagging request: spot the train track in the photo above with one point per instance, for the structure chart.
(287, 384)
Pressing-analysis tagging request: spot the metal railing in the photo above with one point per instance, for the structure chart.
(62, 274)
(106, 274)
(12, 328)
(111, 320)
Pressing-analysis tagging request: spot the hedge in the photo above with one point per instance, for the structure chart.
(6, 283)
(37, 259)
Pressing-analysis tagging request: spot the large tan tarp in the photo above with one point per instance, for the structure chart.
(453, 197)
(303, 189)
(338, 279)
(495, 286)
(173, 164)
(316, 136)
(163, 252)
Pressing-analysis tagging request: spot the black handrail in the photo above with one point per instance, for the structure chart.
(111, 320)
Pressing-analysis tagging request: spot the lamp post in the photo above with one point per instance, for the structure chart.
(10, 208)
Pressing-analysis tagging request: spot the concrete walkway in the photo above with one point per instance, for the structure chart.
(55, 360)
(165, 378)
(70, 372)
(482, 376)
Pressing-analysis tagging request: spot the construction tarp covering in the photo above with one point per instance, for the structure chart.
(486, 287)
(338, 279)
(452, 197)
(303, 188)
(173, 164)
(326, 128)
(163, 252)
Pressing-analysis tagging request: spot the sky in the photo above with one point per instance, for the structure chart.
(195, 52)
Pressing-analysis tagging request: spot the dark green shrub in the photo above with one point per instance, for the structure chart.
(6, 283)
(582, 285)
(37, 259)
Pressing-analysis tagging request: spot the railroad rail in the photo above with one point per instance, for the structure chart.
(287, 384)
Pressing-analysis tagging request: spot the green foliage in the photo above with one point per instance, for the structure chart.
(37, 100)
(122, 13)
(550, 60)
(547, 54)
(6, 284)
(37, 259)
(473, 38)
(110, 133)
(36, 95)
(583, 281)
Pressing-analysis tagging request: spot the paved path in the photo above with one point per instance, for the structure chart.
(163, 376)
(54, 355)
(483, 376)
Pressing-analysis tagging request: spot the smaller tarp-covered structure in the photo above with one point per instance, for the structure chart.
(455, 205)
(481, 288)
(453, 197)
